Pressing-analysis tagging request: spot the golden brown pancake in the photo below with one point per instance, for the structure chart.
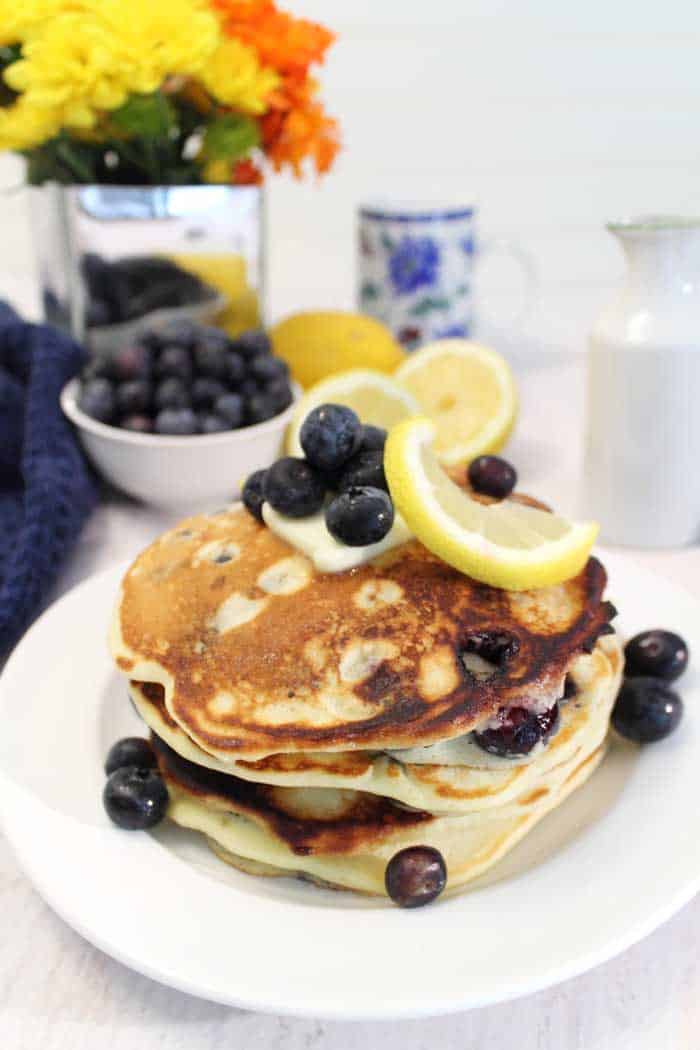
(259, 654)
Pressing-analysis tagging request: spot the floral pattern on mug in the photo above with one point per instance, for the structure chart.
(414, 264)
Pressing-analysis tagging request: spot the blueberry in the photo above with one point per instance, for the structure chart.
(250, 344)
(260, 408)
(415, 876)
(662, 654)
(175, 362)
(280, 394)
(210, 351)
(130, 751)
(365, 468)
(248, 387)
(360, 516)
(205, 391)
(492, 476)
(294, 488)
(171, 393)
(131, 362)
(230, 408)
(235, 371)
(135, 798)
(138, 424)
(98, 367)
(518, 731)
(373, 439)
(254, 493)
(210, 423)
(646, 709)
(97, 400)
(175, 333)
(134, 397)
(330, 435)
(176, 421)
(264, 367)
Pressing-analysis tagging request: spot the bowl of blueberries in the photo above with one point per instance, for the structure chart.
(180, 415)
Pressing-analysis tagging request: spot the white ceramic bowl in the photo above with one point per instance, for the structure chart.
(191, 473)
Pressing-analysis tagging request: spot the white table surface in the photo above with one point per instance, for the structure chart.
(57, 992)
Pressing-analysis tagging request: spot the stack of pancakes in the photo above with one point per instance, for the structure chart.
(316, 724)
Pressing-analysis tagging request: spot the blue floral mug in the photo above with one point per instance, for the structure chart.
(417, 267)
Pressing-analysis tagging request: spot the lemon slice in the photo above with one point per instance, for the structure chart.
(468, 391)
(376, 399)
(317, 345)
(504, 544)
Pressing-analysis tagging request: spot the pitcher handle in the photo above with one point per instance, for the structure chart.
(531, 279)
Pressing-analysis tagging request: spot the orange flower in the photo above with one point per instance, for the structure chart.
(290, 45)
(298, 127)
(247, 173)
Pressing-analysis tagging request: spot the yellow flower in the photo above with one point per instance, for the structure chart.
(93, 54)
(235, 78)
(19, 17)
(217, 171)
(68, 66)
(24, 125)
(152, 39)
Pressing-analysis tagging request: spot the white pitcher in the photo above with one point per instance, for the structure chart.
(642, 466)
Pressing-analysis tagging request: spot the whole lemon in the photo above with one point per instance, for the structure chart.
(320, 343)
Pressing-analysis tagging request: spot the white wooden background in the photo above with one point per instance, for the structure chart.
(553, 116)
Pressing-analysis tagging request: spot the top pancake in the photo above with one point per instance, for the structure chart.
(259, 654)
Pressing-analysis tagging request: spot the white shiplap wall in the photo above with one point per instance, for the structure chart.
(553, 116)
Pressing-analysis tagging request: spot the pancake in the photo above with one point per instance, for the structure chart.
(453, 777)
(346, 838)
(259, 655)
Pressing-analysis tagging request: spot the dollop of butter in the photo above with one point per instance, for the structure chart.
(312, 538)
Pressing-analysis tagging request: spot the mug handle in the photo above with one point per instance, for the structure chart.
(531, 278)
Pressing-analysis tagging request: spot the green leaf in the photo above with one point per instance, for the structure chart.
(146, 116)
(230, 137)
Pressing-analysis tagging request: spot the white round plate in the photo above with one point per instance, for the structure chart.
(603, 870)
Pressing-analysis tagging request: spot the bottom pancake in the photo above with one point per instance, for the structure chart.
(346, 838)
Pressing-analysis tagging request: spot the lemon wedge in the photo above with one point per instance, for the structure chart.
(470, 393)
(504, 544)
(376, 398)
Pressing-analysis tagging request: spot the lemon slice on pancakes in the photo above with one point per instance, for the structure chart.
(504, 544)
(375, 397)
(468, 390)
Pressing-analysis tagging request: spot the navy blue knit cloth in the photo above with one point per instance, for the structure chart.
(46, 490)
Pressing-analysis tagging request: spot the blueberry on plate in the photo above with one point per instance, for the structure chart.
(254, 493)
(135, 798)
(360, 516)
(178, 422)
(259, 408)
(137, 424)
(294, 488)
(130, 751)
(175, 362)
(251, 343)
(365, 468)
(210, 423)
(330, 435)
(373, 439)
(171, 393)
(97, 400)
(205, 391)
(134, 397)
(646, 710)
(492, 476)
(230, 408)
(235, 368)
(415, 876)
(518, 732)
(659, 653)
(264, 367)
